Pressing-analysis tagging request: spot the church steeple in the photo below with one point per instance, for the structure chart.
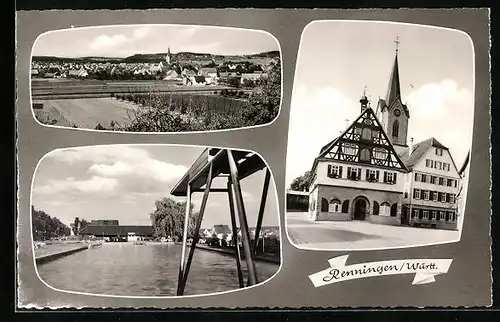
(167, 58)
(394, 89)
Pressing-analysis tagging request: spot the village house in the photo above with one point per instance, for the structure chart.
(252, 77)
(370, 172)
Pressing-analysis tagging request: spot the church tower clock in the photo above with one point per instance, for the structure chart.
(391, 111)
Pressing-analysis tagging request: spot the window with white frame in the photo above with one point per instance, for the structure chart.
(426, 214)
(433, 179)
(418, 177)
(435, 196)
(353, 173)
(416, 193)
(379, 153)
(424, 177)
(442, 215)
(449, 182)
(441, 181)
(415, 213)
(334, 206)
(372, 175)
(385, 209)
(349, 149)
(442, 197)
(428, 163)
(439, 165)
(433, 214)
(426, 194)
(439, 151)
(390, 177)
(334, 171)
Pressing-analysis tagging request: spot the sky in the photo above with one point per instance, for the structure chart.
(123, 182)
(337, 59)
(127, 40)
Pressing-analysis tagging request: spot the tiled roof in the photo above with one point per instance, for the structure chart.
(419, 150)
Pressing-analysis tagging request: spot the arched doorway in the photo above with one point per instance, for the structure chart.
(360, 208)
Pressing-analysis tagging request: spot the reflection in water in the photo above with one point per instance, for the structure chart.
(144, 270)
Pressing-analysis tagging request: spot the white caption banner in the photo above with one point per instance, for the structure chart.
(424, 270)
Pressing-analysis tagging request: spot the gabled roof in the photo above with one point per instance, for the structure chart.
(421, 148)
(368, 112)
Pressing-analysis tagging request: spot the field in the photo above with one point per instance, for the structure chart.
(85, 113)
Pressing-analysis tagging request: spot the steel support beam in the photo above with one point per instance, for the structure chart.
(184, 241)
(235, 235)
(182, 283)
(247, 247)
(262, 207)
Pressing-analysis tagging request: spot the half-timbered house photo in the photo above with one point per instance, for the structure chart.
(388, 171)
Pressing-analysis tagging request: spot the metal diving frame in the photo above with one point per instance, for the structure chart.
(235, 165)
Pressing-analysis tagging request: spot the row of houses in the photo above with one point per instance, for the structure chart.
(184, 74)
(111, 230)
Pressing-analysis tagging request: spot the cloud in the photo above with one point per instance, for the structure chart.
(434, 100)
(148, 169)
(93, 185)
(141, 32)
(115, 172)
(105, 42)
(101, 154)
(317, 116)
(444, 111)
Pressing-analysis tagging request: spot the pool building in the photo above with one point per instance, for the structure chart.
(111, 230)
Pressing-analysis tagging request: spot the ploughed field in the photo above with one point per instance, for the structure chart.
(59, 88)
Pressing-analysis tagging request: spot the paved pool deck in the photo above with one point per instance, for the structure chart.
(55, 251)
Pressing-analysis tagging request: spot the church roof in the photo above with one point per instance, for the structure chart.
(394, 89)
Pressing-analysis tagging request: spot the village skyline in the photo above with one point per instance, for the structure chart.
(436, 68)
(123, 41)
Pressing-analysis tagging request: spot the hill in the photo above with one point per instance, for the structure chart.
(147, 58)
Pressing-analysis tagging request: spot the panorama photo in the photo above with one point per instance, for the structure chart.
(114, 220)
(155, 78)
(380, 135)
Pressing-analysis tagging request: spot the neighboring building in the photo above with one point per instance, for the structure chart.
(222, 231)
(370, 173)
(431, 189)
(110, 230)
(172, 75)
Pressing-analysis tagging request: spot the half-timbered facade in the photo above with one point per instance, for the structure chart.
(359, 175)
